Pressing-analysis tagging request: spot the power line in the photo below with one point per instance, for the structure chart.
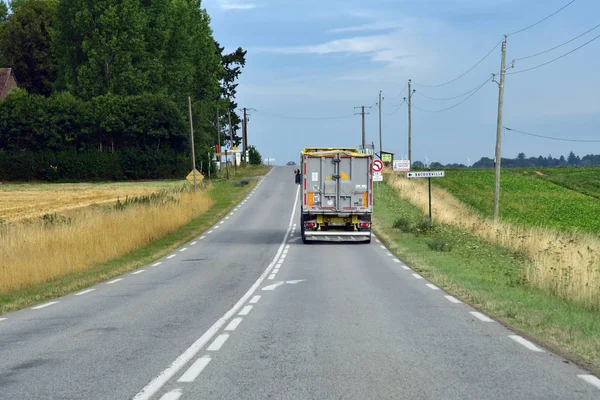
(304, 118)
(560, 45)
(542, 20)
(457, 104)
(556, 59)
(552, 138)
(400, 94)
(397, 109)
(448, 98)
(466, 72)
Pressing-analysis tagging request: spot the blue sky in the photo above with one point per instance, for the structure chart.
(315, 58)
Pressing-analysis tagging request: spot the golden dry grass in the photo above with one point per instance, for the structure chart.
(32, 253)
(27, 201)
(566, 264)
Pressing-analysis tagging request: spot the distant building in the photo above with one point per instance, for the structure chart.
(8, 82)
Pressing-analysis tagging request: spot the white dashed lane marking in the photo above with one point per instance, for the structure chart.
(591, 379)
(417, 276)
(382, 246)
(233, 324)
(197, 367)
(202, 237)
(114, 281)
(526, 343)
(44, 305)
(396, 260)
(193, 243)
(245, 311)
(172, 395)
(271, 277)
(171, 256)
(2, 319)
(209, 232)
(453, 299)
(84, 292)
(184, 249)
(406, 268)
(254, 300)
(481, 316)
(432, 286)
(157, 264)
(218, 342)
(138, 272)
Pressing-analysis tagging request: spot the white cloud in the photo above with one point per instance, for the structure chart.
(367, 27)
(236, 5)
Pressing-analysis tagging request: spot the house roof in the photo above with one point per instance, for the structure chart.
(5, 74)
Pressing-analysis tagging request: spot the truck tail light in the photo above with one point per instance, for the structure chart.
(310, 225)
(364, 224)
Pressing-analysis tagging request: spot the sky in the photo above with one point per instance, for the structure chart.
(320, 59)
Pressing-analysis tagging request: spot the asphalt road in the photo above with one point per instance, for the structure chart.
(247, 311)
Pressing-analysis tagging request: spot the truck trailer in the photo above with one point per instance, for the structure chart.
(337, 195)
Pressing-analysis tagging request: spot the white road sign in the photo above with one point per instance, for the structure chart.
(425, 174)
(377, 177)
(401, 165)
(377, 165)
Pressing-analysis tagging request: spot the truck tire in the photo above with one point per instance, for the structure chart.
(302, 230)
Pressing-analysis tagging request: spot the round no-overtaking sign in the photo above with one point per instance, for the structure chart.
(377, 166)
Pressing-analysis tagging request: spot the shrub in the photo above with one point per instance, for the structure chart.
(403, 224)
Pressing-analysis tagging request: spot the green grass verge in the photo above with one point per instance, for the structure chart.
(490, 278)
(226, 195)
(533, 197)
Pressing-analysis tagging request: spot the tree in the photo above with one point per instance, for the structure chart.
(573, 159)
(418, 164)
(3, 12)
(25, 45)
(232, 68)
(254, 156)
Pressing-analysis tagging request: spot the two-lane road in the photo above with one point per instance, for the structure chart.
(247, 311)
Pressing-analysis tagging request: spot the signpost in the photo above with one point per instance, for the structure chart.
(428, 175)
(401, 165)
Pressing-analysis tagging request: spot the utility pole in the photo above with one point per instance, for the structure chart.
(245, 136)
(192, 139)
(410, 93)
(498, 159)
(364, 137)
(380, 143)
(218, 135)
(231, 142)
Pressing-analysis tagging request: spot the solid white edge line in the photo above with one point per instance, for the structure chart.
(84, 292)
(417, 276)
(218, 342)
(246, 310)
(114, 281)
(157, 264)
(51, 303)
(481, 316)
(254, 300)
(159, 381)
(233, 324)
(591, 379)
(172, 395)
(138, 272)
(197, 367)
(526, 343)
(432, 286)
(453, 299)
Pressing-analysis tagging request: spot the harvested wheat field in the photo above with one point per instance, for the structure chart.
(29, 201)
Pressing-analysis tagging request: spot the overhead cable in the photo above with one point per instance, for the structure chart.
(552, 138)
(556, 47)
(542, 20)
(555, 59)
(457, 104)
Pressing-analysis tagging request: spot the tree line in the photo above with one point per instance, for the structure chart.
(522, 161)
(113, 77)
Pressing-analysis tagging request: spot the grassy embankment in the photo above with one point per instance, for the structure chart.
(42, 258)
(531, 278)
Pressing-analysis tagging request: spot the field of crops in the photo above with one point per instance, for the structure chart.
(28, 201)
(562, 198)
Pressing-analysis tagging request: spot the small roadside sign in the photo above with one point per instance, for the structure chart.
(425, 174)
(199, 177)
(401, 165)
(377, 166)
(377, 177)
(386, 158)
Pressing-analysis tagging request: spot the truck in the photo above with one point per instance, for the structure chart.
(336, 196)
